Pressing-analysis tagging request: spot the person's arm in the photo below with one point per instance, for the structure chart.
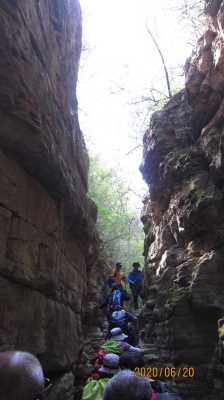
(129, 278)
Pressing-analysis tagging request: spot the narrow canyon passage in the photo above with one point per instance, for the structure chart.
(57, 205)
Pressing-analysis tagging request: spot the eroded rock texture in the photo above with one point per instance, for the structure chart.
(48, 241)
(183, 219)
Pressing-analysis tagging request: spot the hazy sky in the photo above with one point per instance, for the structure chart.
(119, 66)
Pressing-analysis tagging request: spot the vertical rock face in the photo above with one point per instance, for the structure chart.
(183, 218)
(48, 241)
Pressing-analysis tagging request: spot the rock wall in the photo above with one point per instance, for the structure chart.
(183, 219)
(48, 242)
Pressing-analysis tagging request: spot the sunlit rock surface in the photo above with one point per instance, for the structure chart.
(48, 242)
(183, 218)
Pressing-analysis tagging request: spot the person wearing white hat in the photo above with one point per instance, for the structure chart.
(117, 335)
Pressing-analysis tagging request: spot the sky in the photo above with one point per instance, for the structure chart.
(118, 67)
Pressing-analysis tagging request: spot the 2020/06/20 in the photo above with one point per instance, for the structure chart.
(165, 372)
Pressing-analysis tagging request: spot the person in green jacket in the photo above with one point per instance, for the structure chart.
(94, 389)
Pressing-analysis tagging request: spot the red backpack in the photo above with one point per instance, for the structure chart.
(99, 358)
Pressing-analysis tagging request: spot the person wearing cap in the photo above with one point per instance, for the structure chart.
(135, 280)
(127, 322)
(110, 346)
(21, 376)
(94, 389)
(110, 365)
(117, 335)
(126, 385)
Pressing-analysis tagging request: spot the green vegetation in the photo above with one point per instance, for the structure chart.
(118, 222)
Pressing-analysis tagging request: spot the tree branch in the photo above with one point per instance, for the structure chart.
(135, 148)
(162, 59)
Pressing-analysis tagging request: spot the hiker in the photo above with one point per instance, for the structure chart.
(110, 346)
(21, 376)
(116, 344)
(126, 385)
(116, 298)
(118, 276)
(111, 300)
(135, 280)
(94, 389)
(126, 321)
(110, 365)
(118, 336)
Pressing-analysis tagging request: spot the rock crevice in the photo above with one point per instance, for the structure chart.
(183, 220)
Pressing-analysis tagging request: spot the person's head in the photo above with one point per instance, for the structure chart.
(110, 365)
(117, 334)
(131, 360)
(118, 266)
(21, 376)
(126, 385)
(136, 266)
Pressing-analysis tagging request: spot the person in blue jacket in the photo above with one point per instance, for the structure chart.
(135, 280)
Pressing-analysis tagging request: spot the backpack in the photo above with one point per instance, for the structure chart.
(94, 390)
(99, 358)
(116, 298)
(119, 318)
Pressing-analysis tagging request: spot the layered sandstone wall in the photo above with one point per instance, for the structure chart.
(183, 218)
(48, 242)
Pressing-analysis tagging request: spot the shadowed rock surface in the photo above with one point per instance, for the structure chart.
(183, 219)
(49, 247)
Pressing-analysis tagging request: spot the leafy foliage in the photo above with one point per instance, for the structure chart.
(118, 222)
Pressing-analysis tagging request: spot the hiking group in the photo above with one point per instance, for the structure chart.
(113, 374)
(118, 281)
